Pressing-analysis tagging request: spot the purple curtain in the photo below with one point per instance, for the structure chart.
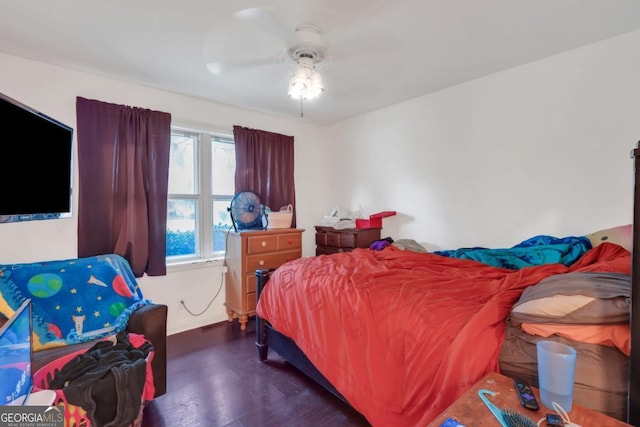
(123, 169)
(264, 166)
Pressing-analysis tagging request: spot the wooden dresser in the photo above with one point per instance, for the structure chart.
(248, 251)
(329, 240)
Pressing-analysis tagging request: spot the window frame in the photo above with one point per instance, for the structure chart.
(203, 195)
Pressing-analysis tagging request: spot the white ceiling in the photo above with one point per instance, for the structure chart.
(379, 52)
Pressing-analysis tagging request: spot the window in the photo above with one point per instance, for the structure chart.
(201, 186)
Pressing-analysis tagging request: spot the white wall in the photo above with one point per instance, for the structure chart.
(53, 90)
(540, 149)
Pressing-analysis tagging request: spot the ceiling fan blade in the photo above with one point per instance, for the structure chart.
(250, 49)
(266, 19)
(330, 14)
(220, 67)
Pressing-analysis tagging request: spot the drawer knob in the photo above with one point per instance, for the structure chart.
(263, 243)
(261, 262)
(290, 241)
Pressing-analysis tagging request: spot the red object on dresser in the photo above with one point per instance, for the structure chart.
(374, 221)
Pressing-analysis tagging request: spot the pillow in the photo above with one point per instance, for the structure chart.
(621, 236)
(409, 245)
(570, 298)
(618, 335)
(554, 306)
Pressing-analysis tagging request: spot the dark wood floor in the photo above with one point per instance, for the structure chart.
(214, 378)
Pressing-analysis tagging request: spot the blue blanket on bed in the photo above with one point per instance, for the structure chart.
(74, 300)
(534, 251)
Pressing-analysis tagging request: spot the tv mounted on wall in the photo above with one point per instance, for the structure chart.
(36, 169)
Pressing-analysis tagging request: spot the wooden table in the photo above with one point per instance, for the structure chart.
(472, 412)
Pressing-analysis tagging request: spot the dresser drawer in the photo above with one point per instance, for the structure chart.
(338, 239)
(274, 260)
(250, 283)
(346, 238)
(262, 244)
(290, 241)
(251, 301)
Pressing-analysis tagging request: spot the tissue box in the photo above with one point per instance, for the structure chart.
(374, 221)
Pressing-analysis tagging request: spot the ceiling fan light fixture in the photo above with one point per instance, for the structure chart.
(297, 88)
(306, 83)
(299, 83)
(302, 75)
(316, 86)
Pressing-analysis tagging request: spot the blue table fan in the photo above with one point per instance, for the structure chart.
(247, 213)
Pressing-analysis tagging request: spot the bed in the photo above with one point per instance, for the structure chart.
(400, 335)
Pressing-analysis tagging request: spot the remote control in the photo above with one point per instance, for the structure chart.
(527, 399)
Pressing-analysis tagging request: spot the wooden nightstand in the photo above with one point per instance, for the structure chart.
(472, 412)
(248, 251)
(329, 240)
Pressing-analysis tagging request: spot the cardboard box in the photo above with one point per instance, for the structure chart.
(375, 220)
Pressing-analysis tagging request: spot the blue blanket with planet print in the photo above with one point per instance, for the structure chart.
(74, 300)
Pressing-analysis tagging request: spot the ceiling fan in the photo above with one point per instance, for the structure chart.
(309, 43)
(305, 48)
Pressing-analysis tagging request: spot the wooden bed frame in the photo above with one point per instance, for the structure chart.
(267, 337)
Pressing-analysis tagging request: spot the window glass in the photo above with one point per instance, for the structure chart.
(182, 164)
(201, 186)
(221, 223)
(223, 159)
(182, 220)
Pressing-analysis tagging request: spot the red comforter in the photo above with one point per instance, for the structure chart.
(400, 334)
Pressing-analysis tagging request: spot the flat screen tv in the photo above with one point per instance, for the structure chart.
(36, 172)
